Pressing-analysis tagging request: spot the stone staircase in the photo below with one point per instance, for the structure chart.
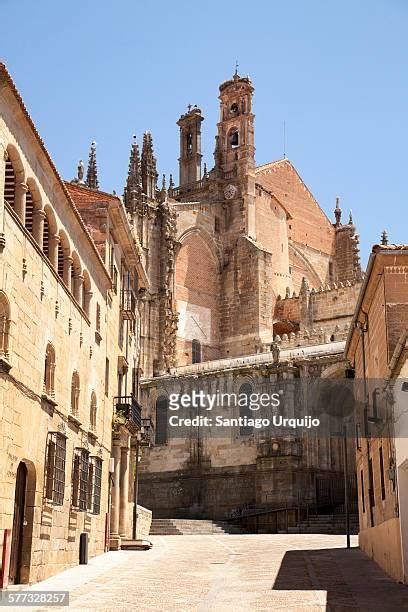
(192, 527)
(326, 523)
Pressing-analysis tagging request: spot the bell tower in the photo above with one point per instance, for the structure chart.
(235, 150)
(190, 146)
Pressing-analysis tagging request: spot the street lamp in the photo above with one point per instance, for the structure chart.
(345, 469)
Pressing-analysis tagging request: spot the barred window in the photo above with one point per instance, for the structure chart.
(80, 474)
(55, 468)
(94, 485)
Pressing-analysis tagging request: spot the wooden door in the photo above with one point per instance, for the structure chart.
(18, 524)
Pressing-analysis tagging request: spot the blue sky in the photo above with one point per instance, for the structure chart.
(335, 72)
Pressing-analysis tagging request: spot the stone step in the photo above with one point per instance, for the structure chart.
(192, 527)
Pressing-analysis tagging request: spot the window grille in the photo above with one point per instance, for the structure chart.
(97, 485)
(9, 184)
(55, 468)
(80, 474)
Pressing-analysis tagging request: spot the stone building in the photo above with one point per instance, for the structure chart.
(376, 347)
(242, 263)
(71, 273)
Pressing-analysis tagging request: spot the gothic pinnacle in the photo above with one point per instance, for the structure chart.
(384, 238)
(133, 182)
(92, 172)
(337, 212)
(351, 218)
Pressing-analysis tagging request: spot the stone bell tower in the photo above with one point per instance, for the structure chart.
(235, 150)
(190, 146)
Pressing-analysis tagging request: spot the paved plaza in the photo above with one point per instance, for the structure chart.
(232, 573)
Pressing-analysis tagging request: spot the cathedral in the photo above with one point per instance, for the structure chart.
(249, 283)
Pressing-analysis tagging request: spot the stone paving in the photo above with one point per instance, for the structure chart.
(232, 573)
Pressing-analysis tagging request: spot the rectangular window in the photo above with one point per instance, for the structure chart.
(55, 468)
(107, 377)
(93, 502)
(98, 318)
(362, 491)
(80, 474)
(382, 474)
(371, 484)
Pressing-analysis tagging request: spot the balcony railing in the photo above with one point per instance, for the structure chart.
(128, 409)
(128, 304)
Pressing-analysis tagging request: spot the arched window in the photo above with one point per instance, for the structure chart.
(9, 184)
(234, 139)
(161, 419)
(60, 260)
(196, 351)
(29, 208)
(49, 370)
(75, 394)
(234, 108)
(244, 395)
(86, 293)
(4, 325)
(46, 238)
(92, 413)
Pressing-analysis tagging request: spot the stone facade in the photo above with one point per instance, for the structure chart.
(71, 276)
(258, 269)
(376, 348)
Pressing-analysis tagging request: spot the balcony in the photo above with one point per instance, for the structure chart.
(128, 304)
(128, 412)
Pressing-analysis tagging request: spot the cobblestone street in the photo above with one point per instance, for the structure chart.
(223, 573)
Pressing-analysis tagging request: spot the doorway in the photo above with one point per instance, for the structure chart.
(18, 524)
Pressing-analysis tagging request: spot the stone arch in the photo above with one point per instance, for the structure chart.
(207, 238)
(64, 250)
(13, 179)
(309, 271)
(86, 293)
(197, 291)
(76, 277)
(34, 214)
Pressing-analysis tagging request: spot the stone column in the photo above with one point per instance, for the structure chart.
(115, 497)
(78, 288)
(38, 226)
(20, 199)
(53, 250)
(67, 271)
(87, 301)
(124, 489)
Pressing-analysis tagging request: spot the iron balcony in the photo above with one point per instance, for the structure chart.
(128, 408)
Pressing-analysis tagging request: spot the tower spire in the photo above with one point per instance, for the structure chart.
(148, 167)
(337, 212)
(133, 185)
(92, 172)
